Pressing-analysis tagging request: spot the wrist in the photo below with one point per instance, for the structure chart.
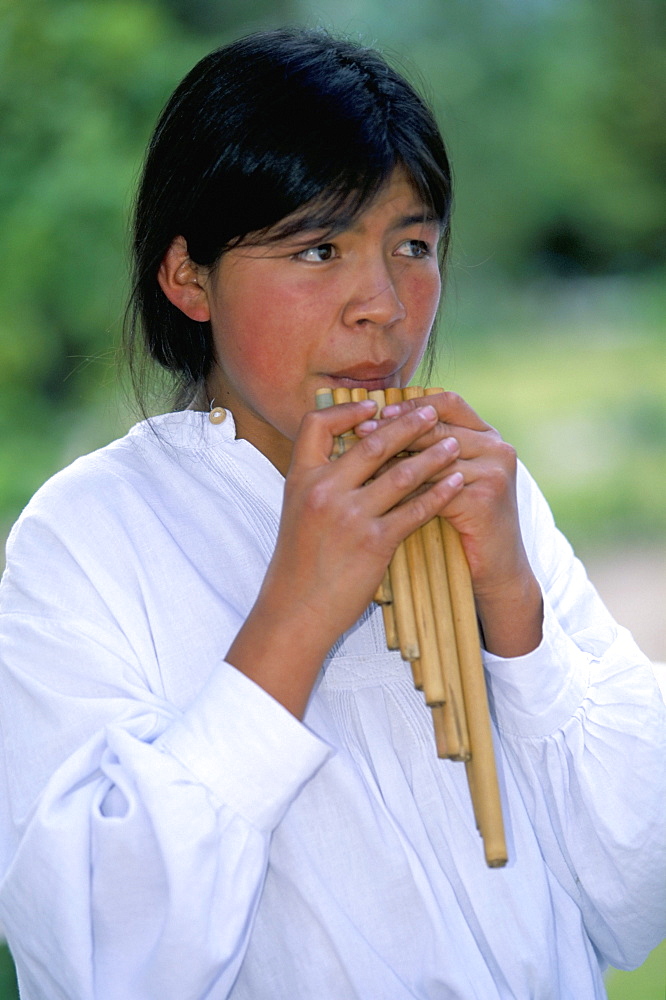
(511, 616)
(279, 653)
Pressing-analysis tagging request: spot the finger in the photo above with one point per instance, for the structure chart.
(399, 480)
(406, 517)
(315, 441)
(473, 443)
(451, 409)
(371, 453)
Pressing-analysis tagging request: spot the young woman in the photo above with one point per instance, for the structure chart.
(217, 781)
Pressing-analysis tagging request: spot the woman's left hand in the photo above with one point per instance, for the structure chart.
(485, 513)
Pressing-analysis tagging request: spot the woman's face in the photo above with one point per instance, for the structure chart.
(350, 309)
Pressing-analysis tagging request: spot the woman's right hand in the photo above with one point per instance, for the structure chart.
(342, 521)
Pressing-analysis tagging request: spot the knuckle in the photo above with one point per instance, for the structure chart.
(420, 509)
(310, 420)
(509, 454)
(347, 517)
(374, 539)
(372, 447)
(403, 475)
(497, 485)
(318, 498)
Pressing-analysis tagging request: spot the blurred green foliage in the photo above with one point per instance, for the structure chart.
(646, 983)
(552, 113)
(576, 380)
(8, 987)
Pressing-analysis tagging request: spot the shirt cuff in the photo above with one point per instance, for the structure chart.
(252, 753)
(535, 694)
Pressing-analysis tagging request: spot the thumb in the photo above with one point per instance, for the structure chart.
(315, 441)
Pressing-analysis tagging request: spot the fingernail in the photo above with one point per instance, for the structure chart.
(367, 426)
(392, 410)
(455, 479)
(450, 445)
(426, 413)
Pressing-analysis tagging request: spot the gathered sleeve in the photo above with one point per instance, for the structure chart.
(583, 724)
(135, 835)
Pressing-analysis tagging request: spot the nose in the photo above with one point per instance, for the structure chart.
(374, 297)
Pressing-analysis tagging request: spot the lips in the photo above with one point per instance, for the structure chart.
(366, 376)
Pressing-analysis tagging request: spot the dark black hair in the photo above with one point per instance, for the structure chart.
(256, 130)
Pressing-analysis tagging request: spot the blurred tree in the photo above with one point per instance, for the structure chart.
(207, 16)
(553, 112)
(80, 85)
(553, 115)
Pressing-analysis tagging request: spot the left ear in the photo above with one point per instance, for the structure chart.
(183, 283)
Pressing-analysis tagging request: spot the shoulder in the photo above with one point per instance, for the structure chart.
(125, 473)
(89, 486)
(105, 495)
(98, 520)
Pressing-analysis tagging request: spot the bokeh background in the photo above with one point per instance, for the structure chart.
(552, 328)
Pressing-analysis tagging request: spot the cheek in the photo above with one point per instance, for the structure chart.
(255, 362)
(421, 301)
(426, 294)
(271, 334)
(266, 371)
(246, 338)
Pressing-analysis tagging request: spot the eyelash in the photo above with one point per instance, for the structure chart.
(320, 246)
(421, 246)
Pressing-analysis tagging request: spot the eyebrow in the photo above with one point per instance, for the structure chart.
(427, 218)
(330, 227)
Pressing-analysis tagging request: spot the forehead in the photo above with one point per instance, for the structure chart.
(333, 212)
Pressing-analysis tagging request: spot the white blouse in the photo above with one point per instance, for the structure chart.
(169, 831)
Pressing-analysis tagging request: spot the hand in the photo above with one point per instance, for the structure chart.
(342, 521)
(485, 513)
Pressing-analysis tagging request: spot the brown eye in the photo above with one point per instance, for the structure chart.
(414, 248)
(322, 252)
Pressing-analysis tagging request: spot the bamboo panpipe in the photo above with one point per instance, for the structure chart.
(429, 615)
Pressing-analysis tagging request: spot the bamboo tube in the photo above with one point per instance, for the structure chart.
(379, 396)
(432, 596)
(324, 399)
(384, 594)
(404, 616)
(395, 395)
(484, 785)
(453, 716)
(441, 727)
(454, 719)
(391, 627)
(409, 647)
(433, 683)
(348, 438)
(403, 609)
(449, 711)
